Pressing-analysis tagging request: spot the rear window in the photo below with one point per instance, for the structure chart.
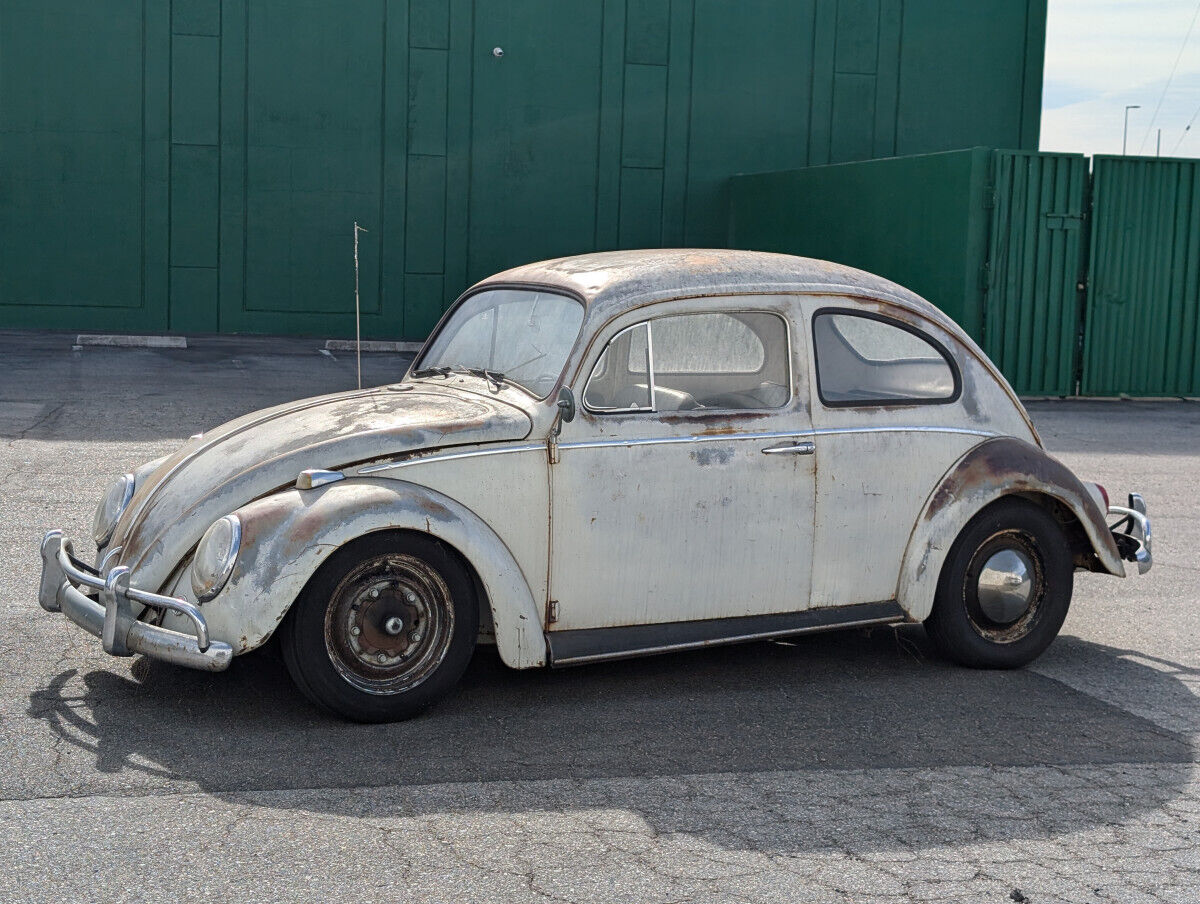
(870, 360)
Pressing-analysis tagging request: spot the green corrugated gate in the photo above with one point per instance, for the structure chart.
(1006, 242)
(1035, 265)
(1144, 283)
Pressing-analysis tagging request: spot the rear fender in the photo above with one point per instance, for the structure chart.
(286, 537)
(1003, 466)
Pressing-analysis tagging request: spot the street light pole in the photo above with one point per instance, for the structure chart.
(1125, 136)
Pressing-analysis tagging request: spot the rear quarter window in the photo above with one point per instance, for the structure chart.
(869, 360)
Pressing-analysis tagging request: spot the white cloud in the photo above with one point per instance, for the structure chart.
(1104, 54)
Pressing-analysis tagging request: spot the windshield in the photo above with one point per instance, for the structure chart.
(522, 335)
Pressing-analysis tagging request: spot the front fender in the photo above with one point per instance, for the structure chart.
(997, 467)
(286, 537)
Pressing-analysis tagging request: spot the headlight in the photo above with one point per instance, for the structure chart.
(213, 562)
(110, 508)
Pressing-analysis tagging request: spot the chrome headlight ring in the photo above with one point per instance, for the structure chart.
(216, 554)
(111, 506)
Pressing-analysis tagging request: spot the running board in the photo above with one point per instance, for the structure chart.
(596, 644)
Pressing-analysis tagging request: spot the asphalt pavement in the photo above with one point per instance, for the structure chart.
(847, 767)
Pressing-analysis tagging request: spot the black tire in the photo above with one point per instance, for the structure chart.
(980, 623)
(384, 629)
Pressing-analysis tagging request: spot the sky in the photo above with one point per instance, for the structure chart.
(1104, 54)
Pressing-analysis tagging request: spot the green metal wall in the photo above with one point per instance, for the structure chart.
(921, 221)
(993, 238)
(197, 165)
(1144, 283)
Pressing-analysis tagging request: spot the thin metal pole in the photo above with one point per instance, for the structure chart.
(1125, 135)
(1158, 152)
(357, 307)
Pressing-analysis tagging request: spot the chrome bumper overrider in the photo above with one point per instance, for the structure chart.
(1132, 532)
(112, 619)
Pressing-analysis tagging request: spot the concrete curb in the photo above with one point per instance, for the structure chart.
(372, 345)
(108, 340)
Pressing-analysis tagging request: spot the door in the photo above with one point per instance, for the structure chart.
(1143, 308)
(683, 490)
(890, 418)
(1036, 266)
(535, 129)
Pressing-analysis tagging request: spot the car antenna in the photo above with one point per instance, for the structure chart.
(357, 308)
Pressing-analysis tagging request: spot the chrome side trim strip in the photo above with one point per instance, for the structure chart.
(722, 437)
(965, 431)
(665, 441)
(449, 456)
(672, 440)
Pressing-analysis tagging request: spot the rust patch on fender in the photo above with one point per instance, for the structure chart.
(432, 508)
(1016, 466)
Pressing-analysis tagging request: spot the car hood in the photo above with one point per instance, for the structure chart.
(225, 468)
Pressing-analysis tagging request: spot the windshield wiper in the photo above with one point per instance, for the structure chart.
(493, 376)
(432, 372)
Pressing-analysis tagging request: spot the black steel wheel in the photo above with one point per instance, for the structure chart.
(1005, 588)
(384, 629)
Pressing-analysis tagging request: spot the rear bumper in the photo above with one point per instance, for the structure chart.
(1132, 532)
(111, 617)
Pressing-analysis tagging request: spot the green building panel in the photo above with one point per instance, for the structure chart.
(198, 165)
(995, 238)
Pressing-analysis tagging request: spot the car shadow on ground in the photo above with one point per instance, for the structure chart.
(865, 703)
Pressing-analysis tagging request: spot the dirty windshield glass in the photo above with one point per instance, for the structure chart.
(521, 335)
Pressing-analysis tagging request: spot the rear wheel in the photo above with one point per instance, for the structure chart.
(383, 630)
(1005, 588)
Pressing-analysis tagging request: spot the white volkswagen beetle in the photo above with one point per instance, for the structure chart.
(606, 456)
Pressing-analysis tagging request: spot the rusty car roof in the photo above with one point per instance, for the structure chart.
(610, 282)
(620, 279)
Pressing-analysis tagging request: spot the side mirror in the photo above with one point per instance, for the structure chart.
(566, 404)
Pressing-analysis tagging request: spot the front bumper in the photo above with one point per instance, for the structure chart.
(111, 617)
(1132, 532)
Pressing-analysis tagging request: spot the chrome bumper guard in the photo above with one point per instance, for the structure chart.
(1132, 532)
(111, 618)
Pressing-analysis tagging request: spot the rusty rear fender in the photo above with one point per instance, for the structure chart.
(995, 468)
(286, 537)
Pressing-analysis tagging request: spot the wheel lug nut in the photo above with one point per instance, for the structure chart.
(355, 631)
(410, 596)
(416, 637)
(374, 594)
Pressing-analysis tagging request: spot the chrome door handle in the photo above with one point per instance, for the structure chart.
(806, 447)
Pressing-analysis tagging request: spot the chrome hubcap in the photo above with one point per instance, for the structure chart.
(1006, 586)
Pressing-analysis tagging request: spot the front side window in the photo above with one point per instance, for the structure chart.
(521, 335)
(867, 360)
(725, 360)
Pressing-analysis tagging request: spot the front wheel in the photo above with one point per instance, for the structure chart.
(1005, 588)
(384, 629)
